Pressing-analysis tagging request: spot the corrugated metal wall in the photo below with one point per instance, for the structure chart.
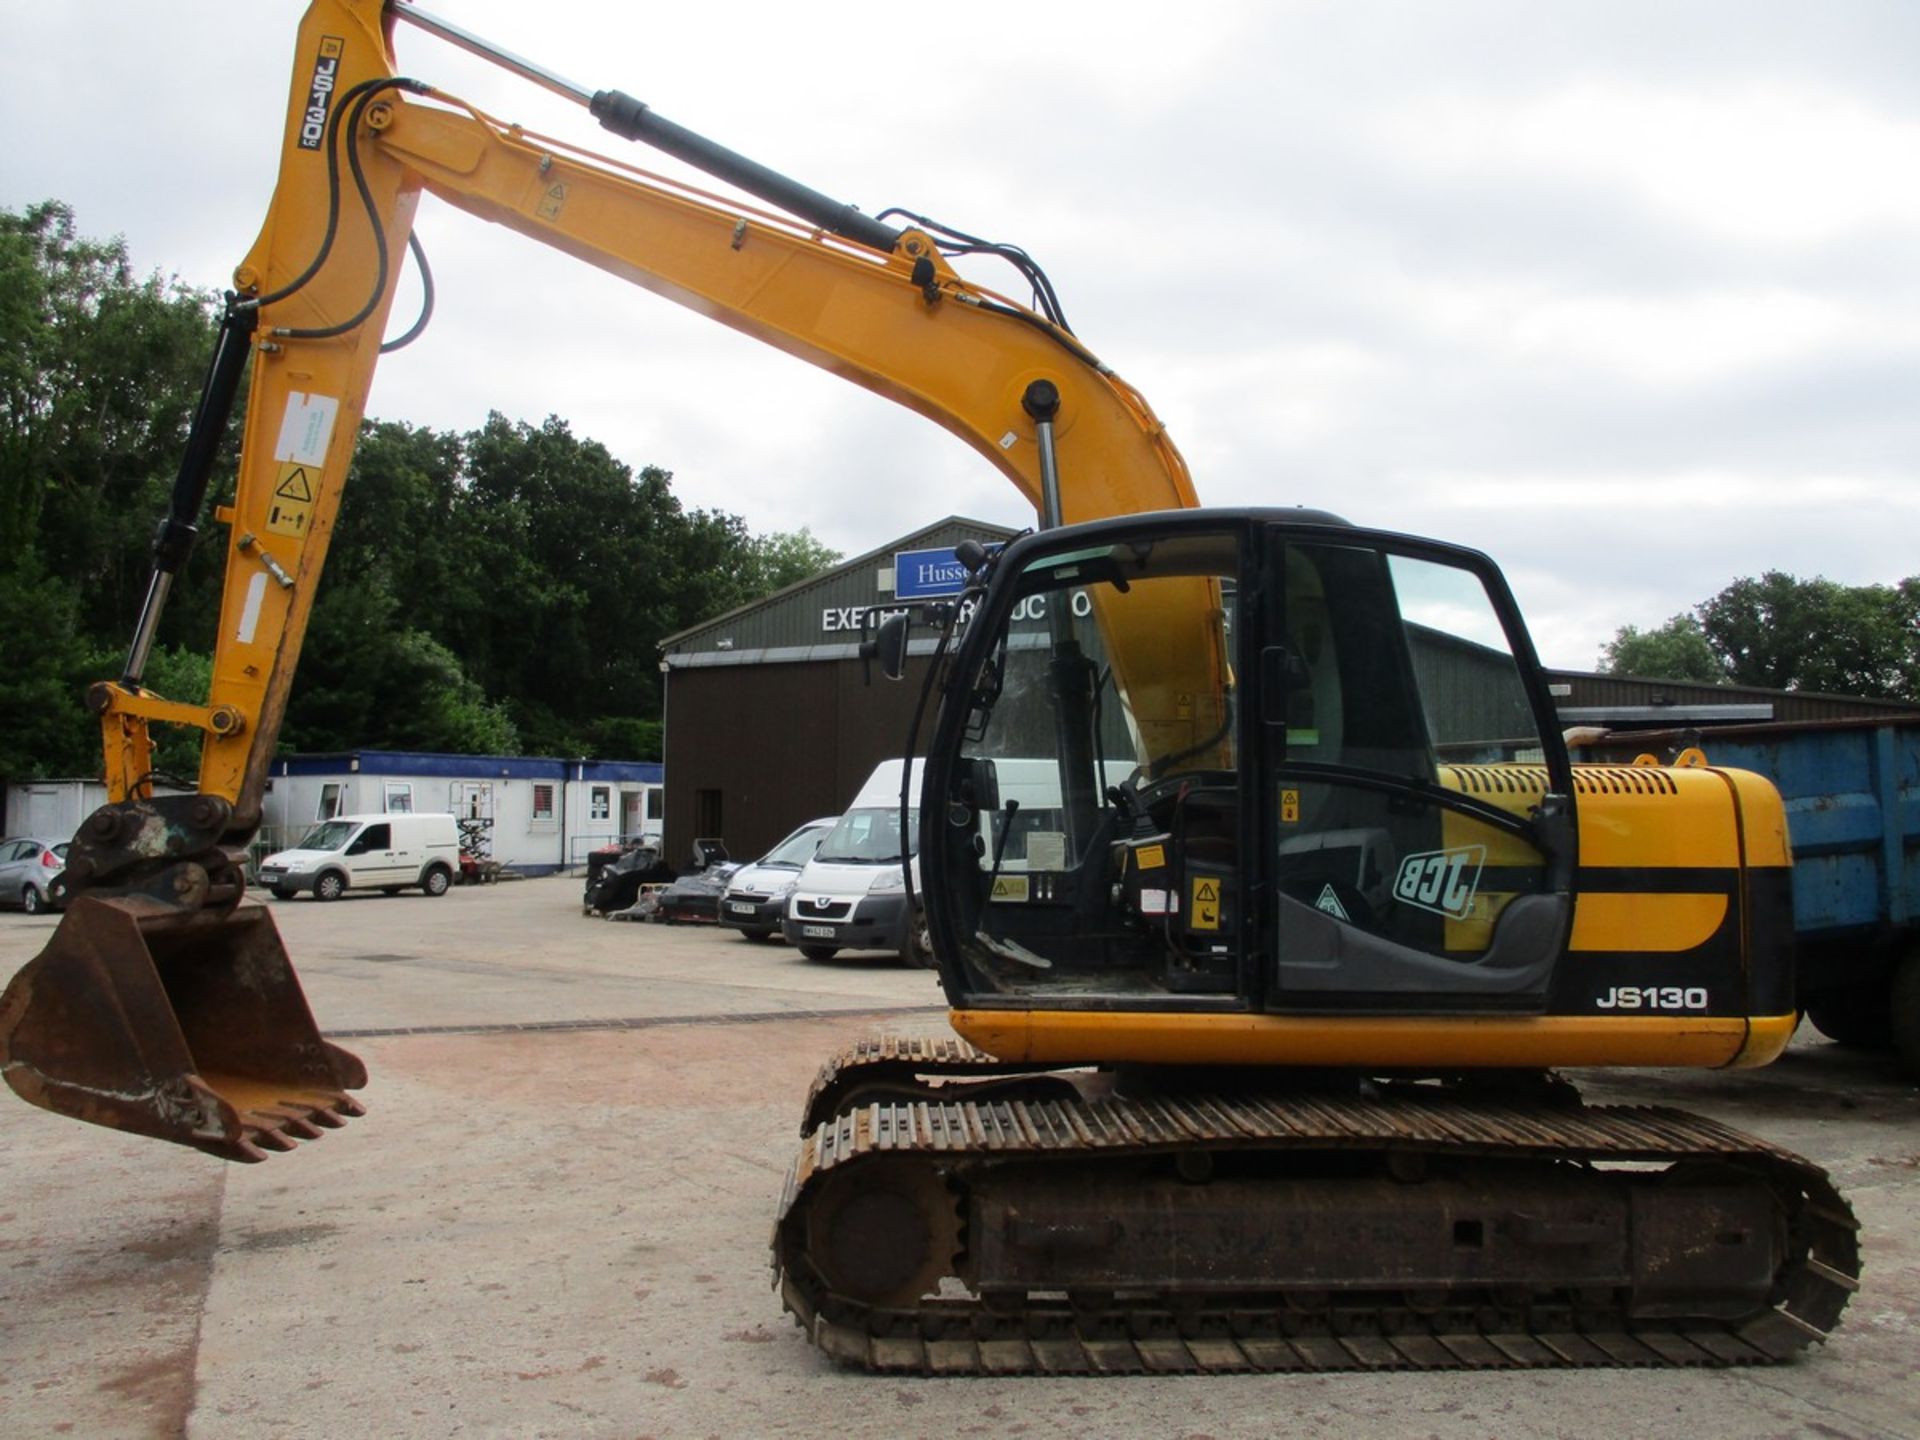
(775, 745)
(769, 719)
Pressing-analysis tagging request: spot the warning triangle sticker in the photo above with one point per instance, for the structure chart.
(1330, 903)
(294, 485)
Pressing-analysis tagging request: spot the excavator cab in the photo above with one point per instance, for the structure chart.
(1247, 760)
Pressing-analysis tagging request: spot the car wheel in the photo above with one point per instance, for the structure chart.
(917, 953)
(330, 886)
(31, 902)
(819, 952)
(284, 892)
(438, 881)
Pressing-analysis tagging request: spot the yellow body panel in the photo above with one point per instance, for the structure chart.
(1660, 924)
(1465, 1042)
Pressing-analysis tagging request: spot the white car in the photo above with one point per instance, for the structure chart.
(755, 900)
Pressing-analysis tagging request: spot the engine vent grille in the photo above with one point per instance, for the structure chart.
(1587, 780)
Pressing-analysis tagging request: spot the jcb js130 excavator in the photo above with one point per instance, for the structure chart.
(1258, 878)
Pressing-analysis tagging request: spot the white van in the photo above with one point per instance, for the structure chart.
(367, 852)
(852, 895)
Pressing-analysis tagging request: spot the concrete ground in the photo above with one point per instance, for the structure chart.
(553, 1222)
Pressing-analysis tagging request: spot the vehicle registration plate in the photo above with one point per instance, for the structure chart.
(739, 907)
(817, 932)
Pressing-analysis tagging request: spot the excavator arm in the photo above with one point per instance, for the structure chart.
(883, 309)
(166, 1005)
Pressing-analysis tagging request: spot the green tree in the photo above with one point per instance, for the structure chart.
(44, 665)
(99, 372)
(1791, 634)
(179, 672)
(569, 561)
(783, 558)
(505, 589)
(99, 375)
(1678, 650)
(367, 679)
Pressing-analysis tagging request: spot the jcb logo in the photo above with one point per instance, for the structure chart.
(1443, 881)
(326, 73)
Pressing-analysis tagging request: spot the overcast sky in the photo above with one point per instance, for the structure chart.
(1626, 294)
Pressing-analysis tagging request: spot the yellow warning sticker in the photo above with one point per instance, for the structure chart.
(1150, 857)
(1009, 887)
(1204, 913)
(1289, 807)
(551, 200)
(291, 509)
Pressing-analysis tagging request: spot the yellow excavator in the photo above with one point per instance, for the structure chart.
(1263, 891)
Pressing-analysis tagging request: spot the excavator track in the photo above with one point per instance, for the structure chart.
(896, 1067)
(1408, 1228)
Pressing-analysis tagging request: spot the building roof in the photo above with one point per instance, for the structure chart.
(468, 767)
(1592, 698)
(785, 625)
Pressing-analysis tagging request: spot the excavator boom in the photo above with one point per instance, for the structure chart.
(165, 1002)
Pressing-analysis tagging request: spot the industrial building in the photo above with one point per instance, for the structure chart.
(771, 716)
(533, 814)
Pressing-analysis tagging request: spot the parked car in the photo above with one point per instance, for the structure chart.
(695, 897)
(29, 871)
(755, 900)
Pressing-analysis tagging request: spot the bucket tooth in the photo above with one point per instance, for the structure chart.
(188, 1026)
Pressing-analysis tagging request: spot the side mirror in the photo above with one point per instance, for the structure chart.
(976, 790)
(889, 646)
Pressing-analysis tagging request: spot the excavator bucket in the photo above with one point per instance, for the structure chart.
(188, 1026)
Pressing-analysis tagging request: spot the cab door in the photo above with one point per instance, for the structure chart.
(1420, 845)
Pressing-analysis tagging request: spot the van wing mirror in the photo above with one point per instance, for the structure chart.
(889, 646)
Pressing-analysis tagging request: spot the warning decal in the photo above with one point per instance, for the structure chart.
(292, 507)
(551, 199)
(1205, 911)
(1289, 807)
(1330, 903)
(1010, 887)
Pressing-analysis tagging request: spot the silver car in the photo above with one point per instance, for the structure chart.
(29, 869)
(755, 899)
